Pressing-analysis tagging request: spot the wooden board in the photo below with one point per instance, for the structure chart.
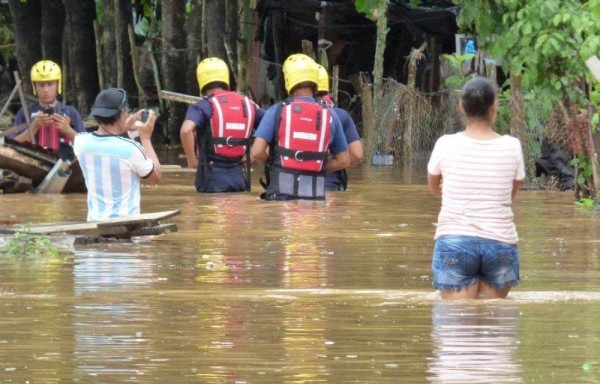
(124, 227)
(23, 165)
(138, 219)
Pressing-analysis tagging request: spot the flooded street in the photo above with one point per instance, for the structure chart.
(249, 291)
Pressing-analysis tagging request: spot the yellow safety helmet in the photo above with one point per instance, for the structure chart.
(323, 85)
(299, 68)
(46, 70)
(211, 70)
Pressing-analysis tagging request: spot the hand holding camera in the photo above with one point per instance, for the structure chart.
(48, 109)
(141, 123)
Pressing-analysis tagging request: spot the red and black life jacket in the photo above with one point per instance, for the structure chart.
(326, 100)
(48, 136)
(303, 136)
(231, 125)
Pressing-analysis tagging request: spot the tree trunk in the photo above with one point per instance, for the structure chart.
(244, 47)
(194, 43)
(53, 25)
(27, 19)
(231, 35)
(173, 37)
(109, 44)
(382, 30)
(80, 15)
(215, 28)
(518, 123)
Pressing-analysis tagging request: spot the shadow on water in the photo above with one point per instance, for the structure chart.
(339, 291)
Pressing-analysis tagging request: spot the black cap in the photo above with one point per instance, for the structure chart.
(109, 102)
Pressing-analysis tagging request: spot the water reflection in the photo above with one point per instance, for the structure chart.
(110, 331)
(475, 343)
(304, 263)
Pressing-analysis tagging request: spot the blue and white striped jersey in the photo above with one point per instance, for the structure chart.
(112, 167)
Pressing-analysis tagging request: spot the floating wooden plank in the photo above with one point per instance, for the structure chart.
(123, 228)
(139, 219)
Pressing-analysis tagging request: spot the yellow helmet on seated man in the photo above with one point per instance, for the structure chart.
(211, 70)
(299, 68)
(323, 85)
(46, 70)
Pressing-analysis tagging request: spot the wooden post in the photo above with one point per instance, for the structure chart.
(409, 133)
(244, 47)
(518, 124)
(10, 97)
(382, 31)
(335, 79)
(24, 106)
(307, 49)
(135, 63)
(99, 57)
(119, 46)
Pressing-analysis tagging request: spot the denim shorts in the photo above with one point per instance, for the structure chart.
(458, 261)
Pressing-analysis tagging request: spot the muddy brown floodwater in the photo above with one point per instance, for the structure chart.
(297, 292)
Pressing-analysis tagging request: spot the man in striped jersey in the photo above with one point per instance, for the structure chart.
(112, 164)
(475, 250)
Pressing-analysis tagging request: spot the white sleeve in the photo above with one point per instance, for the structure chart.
(140, 163)
(434, 165)
(520, 174)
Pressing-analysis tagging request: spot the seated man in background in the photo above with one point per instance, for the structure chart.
(53, 124)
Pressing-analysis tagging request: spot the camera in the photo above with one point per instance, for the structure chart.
(145, 115)
(48, 109)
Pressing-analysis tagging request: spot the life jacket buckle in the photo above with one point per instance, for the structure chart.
(227, 141)
(299, 155)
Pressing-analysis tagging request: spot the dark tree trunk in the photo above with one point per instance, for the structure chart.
(231, 37)
(53, 24)
(215, 28)
(194, 41)
(172, 61)
(83, 78)
(27, 19)
(118, 67)
(109, 45)
(124, 13)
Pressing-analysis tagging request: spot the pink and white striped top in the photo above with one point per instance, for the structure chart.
(477, 177)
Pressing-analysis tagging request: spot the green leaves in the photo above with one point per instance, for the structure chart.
(24, 244)
(366, 6)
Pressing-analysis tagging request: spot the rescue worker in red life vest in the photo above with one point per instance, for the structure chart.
(216, 131)
(299, 139)
(338, 180)
(53, 124)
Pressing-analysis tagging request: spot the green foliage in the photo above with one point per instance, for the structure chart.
(547, 41)
(588, 203)
(584, 168)
(457, 62)
(595, 100)
(365, 6)
(6, 35)
(25, 245)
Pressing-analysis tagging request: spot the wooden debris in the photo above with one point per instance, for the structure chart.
(181, 97)
(47, 173)
(145, 224)
(23, 165)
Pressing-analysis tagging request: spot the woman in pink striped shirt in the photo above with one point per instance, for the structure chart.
(475, 253)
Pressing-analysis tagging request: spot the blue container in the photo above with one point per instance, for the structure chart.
(383, 160)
